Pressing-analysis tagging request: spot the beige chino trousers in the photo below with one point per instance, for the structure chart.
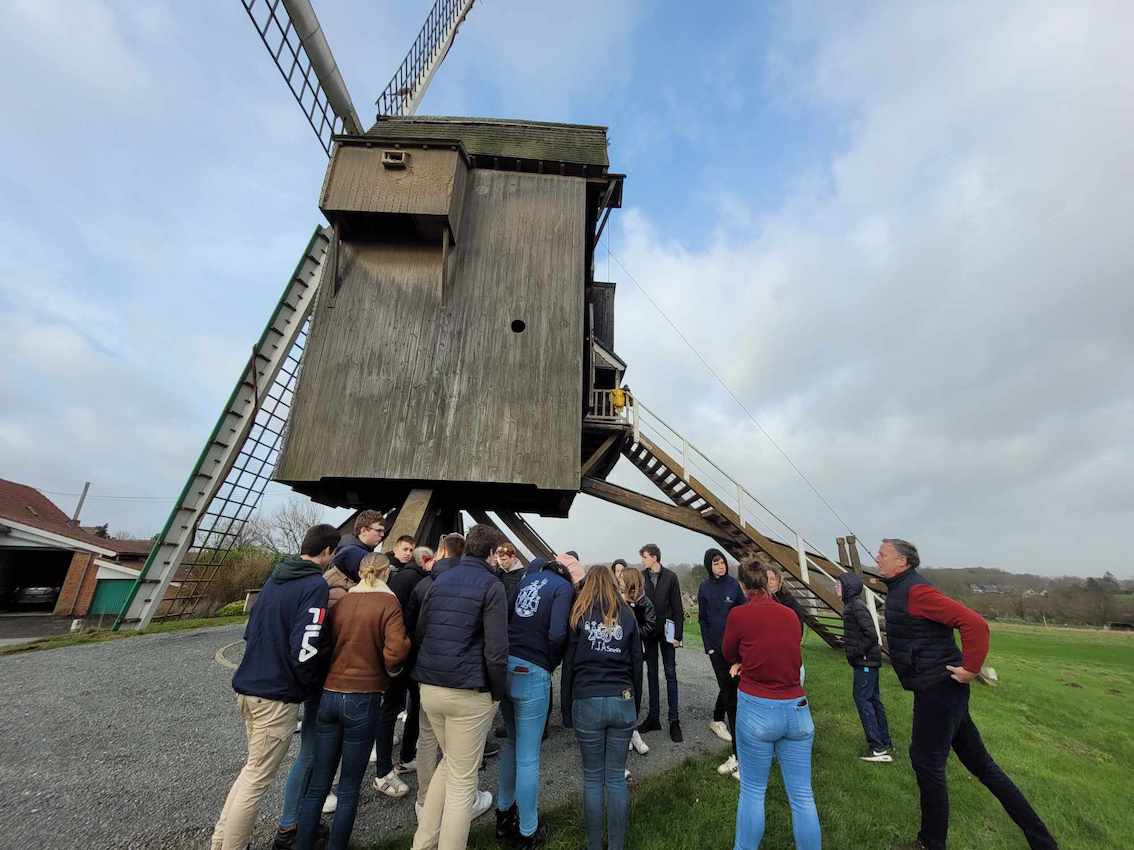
(269, 725)
(460, 720)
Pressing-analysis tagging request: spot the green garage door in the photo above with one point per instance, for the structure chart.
(110, 595)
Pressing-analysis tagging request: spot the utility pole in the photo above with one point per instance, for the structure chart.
(79, 507)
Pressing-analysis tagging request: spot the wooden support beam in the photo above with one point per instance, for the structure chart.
(483, 518)
(412, 515)
(527, 535)
(841, 542)
(599, 454)
(852, 551)
(685, 517)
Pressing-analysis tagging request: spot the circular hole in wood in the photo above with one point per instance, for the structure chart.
(519, 326)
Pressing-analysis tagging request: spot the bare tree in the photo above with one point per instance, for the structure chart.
(282, 529)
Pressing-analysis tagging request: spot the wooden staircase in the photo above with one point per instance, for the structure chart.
(808, 576)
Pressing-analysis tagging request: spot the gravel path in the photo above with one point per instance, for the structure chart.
(134, 743)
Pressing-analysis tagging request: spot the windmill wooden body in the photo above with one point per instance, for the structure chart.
(452, 344)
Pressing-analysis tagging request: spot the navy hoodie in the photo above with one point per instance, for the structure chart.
(284, 652)
(602, 661)
(537, 625)
(715, 598)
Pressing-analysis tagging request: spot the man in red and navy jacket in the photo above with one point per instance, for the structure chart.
(920, 620)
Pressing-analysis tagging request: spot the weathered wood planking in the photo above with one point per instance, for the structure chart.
(397, 385)
(431, 184)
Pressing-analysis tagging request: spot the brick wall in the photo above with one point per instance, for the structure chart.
(79, 586)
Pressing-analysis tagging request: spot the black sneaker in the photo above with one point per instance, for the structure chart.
(285, 839)
(536, 839)
(508, 824)
(675, 731)
(652, 724)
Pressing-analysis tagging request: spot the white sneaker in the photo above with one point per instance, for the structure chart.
(331, 803)
(482, 804)
(627, 777)
(391, 786)
(402, 717)
(640, 746)
(298, 726)
(374, 754)
(729, 766)
(417, 810)
(718, 728)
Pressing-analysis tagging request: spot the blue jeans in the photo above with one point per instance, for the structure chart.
(525, 711)
(780, 728)
(868, 701)
(669, 667)
(300, 774)
(603, 726)
(345, 728)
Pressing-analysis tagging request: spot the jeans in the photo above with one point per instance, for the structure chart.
(525, 712)
(403, 693)
(344, 727)
(780, 728)
(725, 707)
(669, 665)
(300, 774)
(603, 726)
(941, 722)
(868, 701)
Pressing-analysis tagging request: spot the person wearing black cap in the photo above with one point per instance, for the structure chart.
(718, 594)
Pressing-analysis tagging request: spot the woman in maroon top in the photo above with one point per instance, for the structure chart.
(761, 639)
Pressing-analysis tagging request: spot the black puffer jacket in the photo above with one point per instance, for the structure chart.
(646, 618)
(860, 639)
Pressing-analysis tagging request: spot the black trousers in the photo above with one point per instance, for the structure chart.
(403, 694)
(725, 707)
(941, 722)
(666, 649)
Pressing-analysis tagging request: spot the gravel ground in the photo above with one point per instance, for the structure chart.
(134, 743)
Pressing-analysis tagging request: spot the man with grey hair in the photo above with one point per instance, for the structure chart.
(920, 620)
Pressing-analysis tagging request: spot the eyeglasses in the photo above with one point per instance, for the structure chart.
(377, 529)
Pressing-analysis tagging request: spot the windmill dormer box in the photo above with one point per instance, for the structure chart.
(459, 332)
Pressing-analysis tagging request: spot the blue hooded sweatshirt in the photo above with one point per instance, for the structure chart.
(715, 598)
(284, 651)
(537, 628)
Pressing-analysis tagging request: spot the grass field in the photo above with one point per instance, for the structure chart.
(1059, 724)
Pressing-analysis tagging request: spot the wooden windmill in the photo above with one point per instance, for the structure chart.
(443, 345)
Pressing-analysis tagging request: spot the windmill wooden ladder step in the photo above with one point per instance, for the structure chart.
(809, 576)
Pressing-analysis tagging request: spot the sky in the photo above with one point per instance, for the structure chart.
(898, 232)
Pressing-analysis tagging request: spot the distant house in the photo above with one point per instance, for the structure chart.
(51, 566)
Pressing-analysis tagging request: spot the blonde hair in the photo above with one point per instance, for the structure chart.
(635, 585)
(374, 568)
(599, 589)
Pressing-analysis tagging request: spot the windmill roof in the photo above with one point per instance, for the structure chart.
(581, 144)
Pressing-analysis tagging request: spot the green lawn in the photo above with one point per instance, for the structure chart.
(1059, 724)
(104, 635)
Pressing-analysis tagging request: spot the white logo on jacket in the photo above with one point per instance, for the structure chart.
(309, 646)
(600, 635)
(527, 601)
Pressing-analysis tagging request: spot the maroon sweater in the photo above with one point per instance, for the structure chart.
(764, 636)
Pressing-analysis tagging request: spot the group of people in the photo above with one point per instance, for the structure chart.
(460, 637)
